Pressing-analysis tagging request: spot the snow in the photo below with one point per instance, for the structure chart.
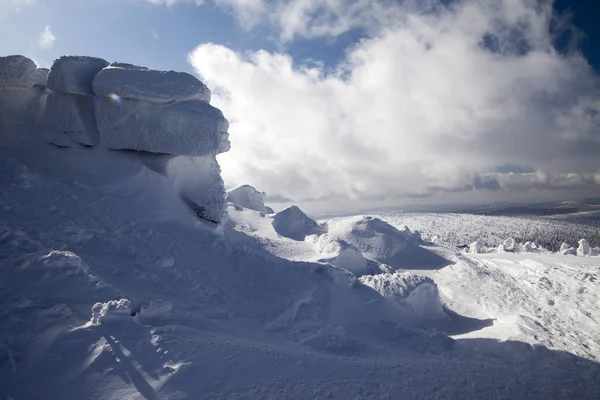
(584, 248)
(249, 197)
(476, 248)
(198, 182)
(133, 82)
(19, 72)
(109, 310)
(114, 285)
(192, 128)
(294, 224)
(74, 74)
(72, 116)
(340, 253)
(415, 295)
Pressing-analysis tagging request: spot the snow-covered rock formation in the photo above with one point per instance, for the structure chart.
(416, 295)
(248, 197)
(375, 238)
(21, 87)
(160, 119)
(294, 224)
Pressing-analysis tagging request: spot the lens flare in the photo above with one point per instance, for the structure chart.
(115, 97)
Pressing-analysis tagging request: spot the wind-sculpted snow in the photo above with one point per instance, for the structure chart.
(75, 74)
(192, 128)
(132, 82)
(19, 72)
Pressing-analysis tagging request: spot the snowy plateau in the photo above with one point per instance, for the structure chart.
(128, 272)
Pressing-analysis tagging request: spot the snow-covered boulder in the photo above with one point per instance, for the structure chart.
(109, 310)
(569, 251)
(19, 72)
(74, 74)
(192, 128)
(476, 248)
(416, 295)
(340, 253)
(584, 248)
(564, 246)
(199, 184)
(596, 251)
(133, 82)
(294, 224)
(528, 247)
(248, 197)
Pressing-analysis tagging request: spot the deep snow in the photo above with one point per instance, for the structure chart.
(112, 287)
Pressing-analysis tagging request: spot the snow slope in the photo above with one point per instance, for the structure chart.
(111, 287)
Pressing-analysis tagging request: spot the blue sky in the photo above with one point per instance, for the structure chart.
(371, 101)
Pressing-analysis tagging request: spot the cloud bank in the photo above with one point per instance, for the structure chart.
(437, 103)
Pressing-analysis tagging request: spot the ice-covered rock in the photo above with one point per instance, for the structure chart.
(509, 244)
(19, 72)
(569, 251)
(74, 74)
(528, 247)
(248, 197)
(199, 184)
(564, 246)
(72, 116)
(192, 128)
(596, 251)
(340, 253)
(584, 248)
(501, 248)
(110, 309)
(132, 82)
(476, 248)
(294, 224)
(415, 294)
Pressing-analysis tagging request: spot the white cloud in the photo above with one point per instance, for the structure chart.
(47, 38)
(155, 35)
(425, 106)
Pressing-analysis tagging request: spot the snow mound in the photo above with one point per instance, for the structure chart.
(292, 223)
(110, 310)
(416, 295)
(340, 253)
(74, 74)
(192, 128)
(133, 82)
(375, 238)
(19, 72)
(248, 197)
